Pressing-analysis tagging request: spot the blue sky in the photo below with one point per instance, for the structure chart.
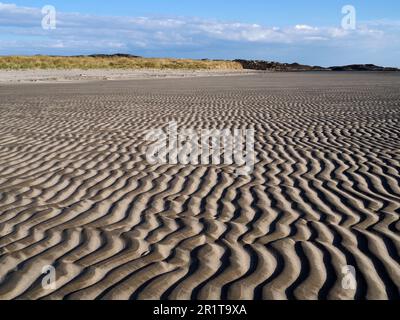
(307, 31)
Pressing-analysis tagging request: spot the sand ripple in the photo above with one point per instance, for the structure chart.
(77, 193)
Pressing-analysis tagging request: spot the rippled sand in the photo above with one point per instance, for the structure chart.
(77, 193)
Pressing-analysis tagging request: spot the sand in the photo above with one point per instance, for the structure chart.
(79, 75)
(77, 193)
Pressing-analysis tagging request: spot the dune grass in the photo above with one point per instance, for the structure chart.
(57, 62)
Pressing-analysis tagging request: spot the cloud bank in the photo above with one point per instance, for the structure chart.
(21, 33)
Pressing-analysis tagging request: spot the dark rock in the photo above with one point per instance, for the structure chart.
(291, 67)
(362, 67)
(118, 55)
(276, 66)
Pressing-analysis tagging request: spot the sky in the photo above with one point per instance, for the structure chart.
(308, 31)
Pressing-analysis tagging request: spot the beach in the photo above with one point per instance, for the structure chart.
(78, 194)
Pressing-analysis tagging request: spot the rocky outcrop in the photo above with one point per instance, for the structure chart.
(362, 67)
(116, 55)
(276, 66)
(292, 67)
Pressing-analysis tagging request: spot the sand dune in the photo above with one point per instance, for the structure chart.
(77, 193)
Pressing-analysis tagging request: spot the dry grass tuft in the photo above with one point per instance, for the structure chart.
(52, 62)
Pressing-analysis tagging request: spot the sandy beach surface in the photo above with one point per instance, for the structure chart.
(77, 193)
(74, 75)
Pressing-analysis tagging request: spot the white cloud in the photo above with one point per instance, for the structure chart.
(304, 27)
(20, 28)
